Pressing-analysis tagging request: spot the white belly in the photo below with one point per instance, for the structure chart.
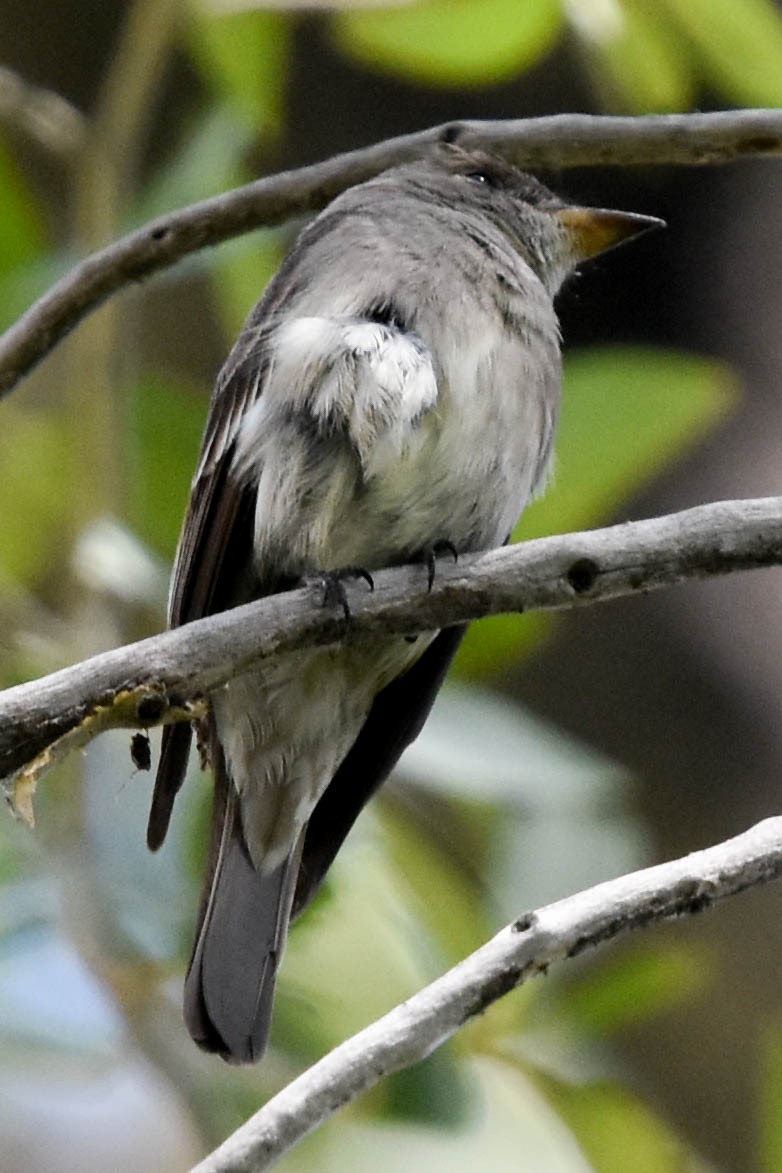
(285, 730)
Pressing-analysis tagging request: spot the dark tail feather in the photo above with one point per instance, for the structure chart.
(174, 752)
(396, 718)
(241, 937)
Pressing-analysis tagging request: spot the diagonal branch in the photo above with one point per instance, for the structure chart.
(519, 952)
(156, 679)
(564, 140)
(44, 116)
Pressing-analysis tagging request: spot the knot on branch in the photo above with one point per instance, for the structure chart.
(582, 575)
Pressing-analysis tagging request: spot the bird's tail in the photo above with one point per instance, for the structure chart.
(240, 939)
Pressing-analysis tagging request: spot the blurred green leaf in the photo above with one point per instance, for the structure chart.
(452, 42)
(771, 1100)
(632, 988)
(545, 813)
(207, 161)
(639, 61)
(165, 425)
(424, 865)
(550, 854)
(739, 45)
(244, 268)
(481, 745)
(627, 412)
(244, 57)
(21, 285)
(35, 497)
(510, 1129)
(26, 269)
(618, 1133)
(22, 233)
(353, 956)
(434, 1092)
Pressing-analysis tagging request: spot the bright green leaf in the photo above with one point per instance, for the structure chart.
(627, 413)
(452, 42)
(739, 44)
(639, 61)
(496, 642)
(244, 56)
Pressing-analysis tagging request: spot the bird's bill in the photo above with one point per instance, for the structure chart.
(593, 230)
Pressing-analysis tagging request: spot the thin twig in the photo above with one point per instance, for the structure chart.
(42, 115)
(565, 140)
(138, 684)
(522, 950)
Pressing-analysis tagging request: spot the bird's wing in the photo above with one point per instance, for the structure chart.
(396, 718)
(361, 380)
(367, 380)
(213, 548)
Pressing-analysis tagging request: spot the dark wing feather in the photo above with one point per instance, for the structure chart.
(396, 718)
(213, 552)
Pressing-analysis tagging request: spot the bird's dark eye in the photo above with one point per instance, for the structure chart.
(479, 177)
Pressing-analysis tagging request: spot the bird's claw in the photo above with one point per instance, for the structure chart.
(332, 583)
(429, 558)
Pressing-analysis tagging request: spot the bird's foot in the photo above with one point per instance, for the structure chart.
(332, 584)
(428, 555)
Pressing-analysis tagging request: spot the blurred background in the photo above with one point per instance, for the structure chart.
(561, 753)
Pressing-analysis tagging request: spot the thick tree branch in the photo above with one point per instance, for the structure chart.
(156, 679)
(522, 950)
(565, 140)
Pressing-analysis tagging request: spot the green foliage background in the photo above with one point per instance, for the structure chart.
(492, 810)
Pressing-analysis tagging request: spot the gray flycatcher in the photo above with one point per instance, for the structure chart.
(395, 391)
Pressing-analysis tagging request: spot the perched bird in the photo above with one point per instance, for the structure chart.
(395, 390)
